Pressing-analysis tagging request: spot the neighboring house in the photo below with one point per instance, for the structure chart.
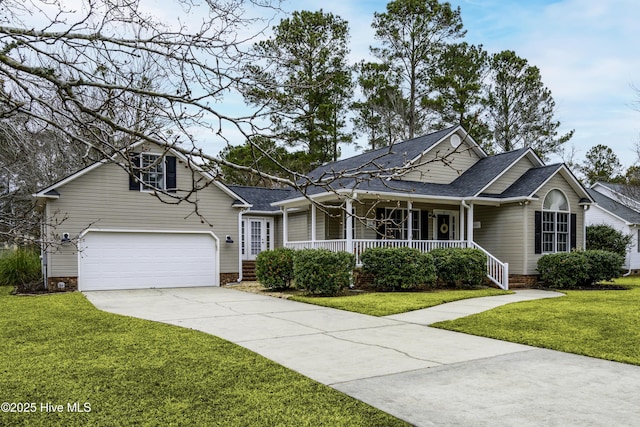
(617, 205)
(438, 190)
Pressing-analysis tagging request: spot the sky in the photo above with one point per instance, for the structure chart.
(588, 52)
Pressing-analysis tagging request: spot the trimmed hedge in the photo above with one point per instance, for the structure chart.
(21, 269)
(460, 267)
(322, 272)
(404, 268)
(274, 268)
(579, 268)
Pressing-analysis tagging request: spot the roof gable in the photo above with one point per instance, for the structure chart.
(615, 208)
(51, 191)
(485, 171)
(387, 159)
(261, 198)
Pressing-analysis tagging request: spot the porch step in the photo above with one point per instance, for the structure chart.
(249, 271)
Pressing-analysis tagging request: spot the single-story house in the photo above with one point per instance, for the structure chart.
(437, 190)
(616, 205)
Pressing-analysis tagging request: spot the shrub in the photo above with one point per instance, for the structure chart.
(21, 269)
(563, 269)
(322, 272)
(607, 238)
(403, 268)
(579, 268)
(460, 267)
(274, 269)
(603, 266)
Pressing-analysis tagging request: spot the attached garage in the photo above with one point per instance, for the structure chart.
(138, 259)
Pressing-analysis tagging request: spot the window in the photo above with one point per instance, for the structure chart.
(396, 221)
(555, 223)
(152, 172)
(156, 172)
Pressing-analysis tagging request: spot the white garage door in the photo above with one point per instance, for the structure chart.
(133, 260)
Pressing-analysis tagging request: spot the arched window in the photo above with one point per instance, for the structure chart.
(555, 222)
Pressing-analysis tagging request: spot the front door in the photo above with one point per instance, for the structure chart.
(257, 237)
(444, 224)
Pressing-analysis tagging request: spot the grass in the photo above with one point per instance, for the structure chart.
(601, 324)
(387, 303)
(60, 349)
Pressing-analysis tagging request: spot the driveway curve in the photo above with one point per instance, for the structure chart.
(426, 376)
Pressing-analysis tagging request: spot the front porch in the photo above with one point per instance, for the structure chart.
(424, 226)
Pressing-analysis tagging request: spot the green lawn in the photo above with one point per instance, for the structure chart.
(387, 303)
(602, 324)
(59, 349)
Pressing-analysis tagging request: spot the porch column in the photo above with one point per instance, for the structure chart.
(410, 220)
(461, 237)
(285, 226)
(470, 224)
(313, 222)
(348, 222)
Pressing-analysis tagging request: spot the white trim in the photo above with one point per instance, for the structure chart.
(453, 235)
(466, 137)
(166, 149)
(216, 278)
(630, 224)
(527, 153)
(141, 183)
(563, 168)
(622, 199)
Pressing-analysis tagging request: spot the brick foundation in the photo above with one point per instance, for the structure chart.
(70, 284)
(523, 280)
(226, 278)
(362, 280)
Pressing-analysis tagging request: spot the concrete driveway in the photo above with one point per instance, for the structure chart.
(426, 376)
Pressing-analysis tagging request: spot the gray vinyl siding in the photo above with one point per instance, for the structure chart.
(560, 183)
(277, 232)
(101, 199)
(298, 225)
(443, 164)
(501, 233)
(510, 176)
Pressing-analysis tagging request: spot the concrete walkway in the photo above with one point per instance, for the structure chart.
(423, 375)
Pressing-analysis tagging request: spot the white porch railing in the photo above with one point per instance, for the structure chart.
(497, 271)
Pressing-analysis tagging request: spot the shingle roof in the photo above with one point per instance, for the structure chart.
(384, 158)
(484, 171)
(615, 207)
(530, 181)
(619, 188)
(467, 185)
(260, 197)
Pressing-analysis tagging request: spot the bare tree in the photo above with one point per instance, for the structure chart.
(109, 74)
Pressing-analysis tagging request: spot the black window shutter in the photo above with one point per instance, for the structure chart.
(171, 174)
(424, 225)
(381, 229)
(538, 232)
(134, 184)
(573, 237)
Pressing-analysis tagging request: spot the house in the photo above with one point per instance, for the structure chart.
(437, 190)
(617, 205)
